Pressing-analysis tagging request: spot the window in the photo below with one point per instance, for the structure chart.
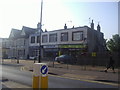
(33, 39)
(77, 36)
(44, 38)
(53, 37)
(64, 36)
(24, 42)
(38, 39)
(24, 52)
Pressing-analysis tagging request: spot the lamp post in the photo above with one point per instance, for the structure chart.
(85, 43)
(18, 58)
(39, 58)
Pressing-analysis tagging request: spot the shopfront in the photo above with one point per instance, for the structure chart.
(73, 50)
(56, 50)
(50, 51)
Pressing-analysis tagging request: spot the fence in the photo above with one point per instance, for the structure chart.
(101, 59)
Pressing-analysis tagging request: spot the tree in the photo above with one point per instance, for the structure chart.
(113, 44)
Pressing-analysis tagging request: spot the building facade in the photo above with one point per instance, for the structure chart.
(72, 41)
(64, 41)
(4, 47)
(19, 42)
(26, 43)
(34, 40)
(0, 48)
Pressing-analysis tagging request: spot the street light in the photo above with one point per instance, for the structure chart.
(39, 60)
(18, 58)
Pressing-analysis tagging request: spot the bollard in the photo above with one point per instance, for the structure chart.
(36, 75)
(43, 76)
(40, 75)
(17, 61)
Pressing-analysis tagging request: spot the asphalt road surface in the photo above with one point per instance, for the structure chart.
(13, 72)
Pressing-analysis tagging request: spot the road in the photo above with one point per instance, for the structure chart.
(13, 72)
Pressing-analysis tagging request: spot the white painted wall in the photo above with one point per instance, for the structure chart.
(84, 29)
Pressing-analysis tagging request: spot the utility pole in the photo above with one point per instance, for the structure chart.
(39, 60)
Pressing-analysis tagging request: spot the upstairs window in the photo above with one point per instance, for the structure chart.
(38, 39)
(44, 38)
(64, 36)
(24, 42)
(33, 39)
(77, 36)
(53, 37)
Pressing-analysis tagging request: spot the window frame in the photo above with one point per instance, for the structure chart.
(55, 40)
(46, 38)
(33, 39)
(62, 40)
(38, 39)
(81, 39)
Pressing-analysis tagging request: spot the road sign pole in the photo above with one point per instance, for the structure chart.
(40, 76)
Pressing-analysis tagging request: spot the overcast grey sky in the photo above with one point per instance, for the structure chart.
(18, 13)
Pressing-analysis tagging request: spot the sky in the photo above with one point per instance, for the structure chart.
(119, 18)
(18, 13)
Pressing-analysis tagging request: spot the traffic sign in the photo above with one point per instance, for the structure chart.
(44, 70)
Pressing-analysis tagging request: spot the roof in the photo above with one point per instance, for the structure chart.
(24, 33)
(68, 29)
(15, 33)
(28, 31)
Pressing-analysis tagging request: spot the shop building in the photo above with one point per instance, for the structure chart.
(72, 41)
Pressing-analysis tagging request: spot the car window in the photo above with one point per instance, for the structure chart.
(62, 56)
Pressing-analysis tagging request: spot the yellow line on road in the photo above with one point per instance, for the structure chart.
(113, 84)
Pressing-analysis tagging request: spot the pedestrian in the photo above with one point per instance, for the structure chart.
(110, 64)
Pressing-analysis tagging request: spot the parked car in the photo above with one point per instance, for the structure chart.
(33, 58)
(13, 57)
(65, 59)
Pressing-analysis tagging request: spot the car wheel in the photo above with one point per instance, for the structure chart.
(58, 61)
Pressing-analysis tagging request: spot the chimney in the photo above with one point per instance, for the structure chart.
(38, 25)
(92, 25)
(65, 27)
(98, 27)
(45, 30)
(73, 27)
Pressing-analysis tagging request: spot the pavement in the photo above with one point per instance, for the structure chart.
(11, 84)
(77, 72)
